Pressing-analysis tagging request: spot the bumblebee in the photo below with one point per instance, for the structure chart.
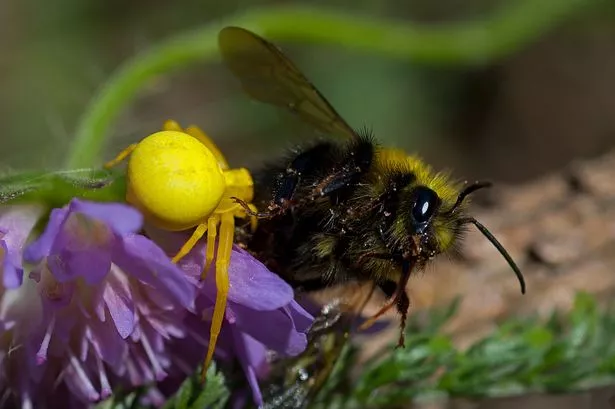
(344, 208)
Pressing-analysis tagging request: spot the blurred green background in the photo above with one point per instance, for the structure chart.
(511, 119)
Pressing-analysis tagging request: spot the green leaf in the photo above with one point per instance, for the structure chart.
(215, 394)
(55, 189)
(192, 394)
(439, 317)
(567, 352)
(123, 400)
(184, 395)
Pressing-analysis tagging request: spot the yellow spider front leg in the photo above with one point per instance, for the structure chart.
(212, 224)
(197, 133)
(190, 243)
(253, 219)
(223, 261)
(177, 166)
(120, 157)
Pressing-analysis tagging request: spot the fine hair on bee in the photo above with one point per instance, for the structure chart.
(344, 209)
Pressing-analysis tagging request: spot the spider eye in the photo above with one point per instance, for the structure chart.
(425, 205)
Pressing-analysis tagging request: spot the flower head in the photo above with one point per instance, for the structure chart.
(109, 302)
(101, 305)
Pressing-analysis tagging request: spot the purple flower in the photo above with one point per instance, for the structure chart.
(261, 313)
(104, 304)
(18, 304)
(16, 223)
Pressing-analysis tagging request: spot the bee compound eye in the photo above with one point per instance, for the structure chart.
(425, 205)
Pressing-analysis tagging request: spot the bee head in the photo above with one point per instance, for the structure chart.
(435, 228)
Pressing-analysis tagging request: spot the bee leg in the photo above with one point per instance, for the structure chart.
(251, 210)
(372, 320)
(403, 305)
(399, 298)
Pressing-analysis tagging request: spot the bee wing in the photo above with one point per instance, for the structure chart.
(267, 75)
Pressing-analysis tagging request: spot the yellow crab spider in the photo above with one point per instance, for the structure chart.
(180, 180)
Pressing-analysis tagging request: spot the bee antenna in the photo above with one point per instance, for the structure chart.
(500, 248)
(465, 192)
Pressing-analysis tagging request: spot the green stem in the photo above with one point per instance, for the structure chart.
(474, 42)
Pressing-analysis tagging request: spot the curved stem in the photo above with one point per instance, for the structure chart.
(474, 42)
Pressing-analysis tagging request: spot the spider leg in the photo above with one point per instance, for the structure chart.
(240, 213)
(209, 144)
(240, 192)
(197, 133)
(223, 258)
(171, 125)
(120, 156)
(212, 226)
(253, 219)
(191, 242)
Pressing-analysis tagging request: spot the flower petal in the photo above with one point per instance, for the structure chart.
(118, 300)
(82, 248)
(251, 354)
(16, 223)
(275, 329)
(140, 257)
(254, 286)
(121, 218)
(41, 247)
(12, 276)
(301, 318)
(107, 343)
